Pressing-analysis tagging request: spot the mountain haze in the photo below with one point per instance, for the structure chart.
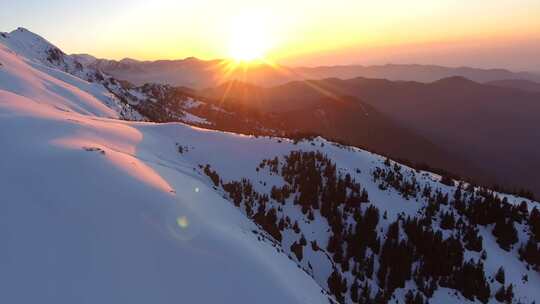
(199, 74)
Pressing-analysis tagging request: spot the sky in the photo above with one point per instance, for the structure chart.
(480, 33)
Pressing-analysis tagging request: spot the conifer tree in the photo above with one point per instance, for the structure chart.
(500, 275)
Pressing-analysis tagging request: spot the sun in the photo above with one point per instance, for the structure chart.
(247, 46)
(249, 39)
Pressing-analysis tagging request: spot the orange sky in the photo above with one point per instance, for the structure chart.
(292, 32)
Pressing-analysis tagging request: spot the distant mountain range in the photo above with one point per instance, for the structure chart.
(525, 85)
(196, 73)
(492, 129)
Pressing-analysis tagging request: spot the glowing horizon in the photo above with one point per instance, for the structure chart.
(303, 32)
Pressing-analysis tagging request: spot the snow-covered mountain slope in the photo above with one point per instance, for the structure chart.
(96, 209)
(34, 68)
(89, 215)
(251, 173)
(38, 50)
(28, 58)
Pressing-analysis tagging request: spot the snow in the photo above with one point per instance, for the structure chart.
(19, 77)
(190, 118)
(191, 103)
(27, 45)
(61, 82)
(82, 226)
(90, 213)
(137, 94)
(239, 155)
(99, 210)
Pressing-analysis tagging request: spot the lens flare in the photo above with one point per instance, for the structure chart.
(182, 222)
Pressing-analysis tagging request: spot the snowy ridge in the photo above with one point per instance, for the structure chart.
(38, 58)
(240, 158)
(37, 51)
(36, 69)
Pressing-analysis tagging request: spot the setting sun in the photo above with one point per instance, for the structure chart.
(249, 38)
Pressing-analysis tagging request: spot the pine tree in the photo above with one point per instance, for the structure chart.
(418, 299)
(530, 252)
(366, 292)
(506, 233)
(471, 281)
(509, 294)
(354, 291)
(409, 297)
(500, 295)
(380, 298)
(483, 287)
(447, 220)
(335, 285)
(295, 227)
(303, 241)
(534, 223)
(369, 266)
(500, 275)
(472, 240)
(297, 249)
